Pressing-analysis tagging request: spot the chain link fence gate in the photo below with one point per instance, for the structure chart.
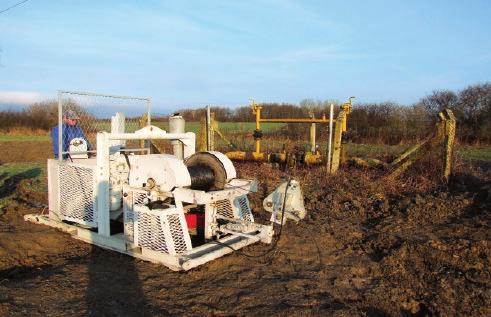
(94, 112)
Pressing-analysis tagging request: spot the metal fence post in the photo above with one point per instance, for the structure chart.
(60, 126)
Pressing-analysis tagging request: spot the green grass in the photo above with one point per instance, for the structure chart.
(473, 153)
(248, 127)
(373, 150)
(23, 171)
(21, 138)
(224, 127)
(463, 152)
(227, 127)
(13, 173)
(379, 151)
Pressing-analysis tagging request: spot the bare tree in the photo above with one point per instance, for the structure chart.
(439, 100)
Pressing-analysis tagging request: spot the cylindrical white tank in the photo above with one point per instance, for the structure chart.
(177, 125)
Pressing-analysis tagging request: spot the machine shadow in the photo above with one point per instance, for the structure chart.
(9, 183)
(114, 288)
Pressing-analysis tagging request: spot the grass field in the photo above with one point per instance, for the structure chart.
(13, 173)
(228, 127)
(463, 152)
(373, 150)
(224, 127)
(239, 133)
(20, 138)
(473, 153)
(22, 171)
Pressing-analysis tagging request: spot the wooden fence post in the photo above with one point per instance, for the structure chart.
(450, 125)
(338, 134)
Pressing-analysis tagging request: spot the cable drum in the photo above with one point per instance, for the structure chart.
(202, 177)
(204, 166)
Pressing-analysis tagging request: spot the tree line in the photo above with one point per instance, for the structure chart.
(385, 122)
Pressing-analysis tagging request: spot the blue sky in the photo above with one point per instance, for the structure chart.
(194, 53)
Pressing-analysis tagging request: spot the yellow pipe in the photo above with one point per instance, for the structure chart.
(247, 156)
(313, 158)
(299, 120)
(309, 159)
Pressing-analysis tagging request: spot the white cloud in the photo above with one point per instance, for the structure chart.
(19, 97)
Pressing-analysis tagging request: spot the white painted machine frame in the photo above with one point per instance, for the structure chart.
(104, 150)
(224, 232)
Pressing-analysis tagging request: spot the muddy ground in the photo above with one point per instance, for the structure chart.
(368, 247)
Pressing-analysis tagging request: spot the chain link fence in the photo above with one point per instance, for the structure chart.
(92, 113)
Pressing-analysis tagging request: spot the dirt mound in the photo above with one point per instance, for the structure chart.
(366, 248)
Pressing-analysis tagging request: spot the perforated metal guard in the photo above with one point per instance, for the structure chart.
(243, 208)
(224, 208)
(163, 230)
(239, 209)
(76, 194)
(131, 198)
(150, 232)
(177, 233)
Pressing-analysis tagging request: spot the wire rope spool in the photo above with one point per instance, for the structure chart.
(202, 177)
(203, 165)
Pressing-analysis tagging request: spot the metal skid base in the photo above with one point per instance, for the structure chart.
(183, 262)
